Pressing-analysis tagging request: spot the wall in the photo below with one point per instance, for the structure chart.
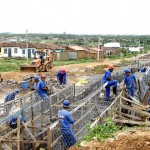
(19, 52)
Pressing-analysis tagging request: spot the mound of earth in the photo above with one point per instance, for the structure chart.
(127, 140)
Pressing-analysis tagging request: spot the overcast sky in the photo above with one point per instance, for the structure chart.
(75, 16)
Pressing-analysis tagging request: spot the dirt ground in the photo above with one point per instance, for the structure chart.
(126, 140)
(74, 70)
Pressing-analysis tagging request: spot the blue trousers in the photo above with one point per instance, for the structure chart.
(131, 91)
(62, 81)
(110, 83)
(68, 138)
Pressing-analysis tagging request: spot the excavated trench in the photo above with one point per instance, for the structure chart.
(86, 104)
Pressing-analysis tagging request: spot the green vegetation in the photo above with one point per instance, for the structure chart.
(14, 64)
(102, 131)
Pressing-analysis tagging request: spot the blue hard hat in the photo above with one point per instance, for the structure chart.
(36, 78)
(127, 70)
(66, 103)
(16, 91)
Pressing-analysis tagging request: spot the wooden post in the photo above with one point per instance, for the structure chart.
(49, 139)
(0, 144)
(32, 122)
(22, 133)
(74, 90)
(10, 138)
(18, 133)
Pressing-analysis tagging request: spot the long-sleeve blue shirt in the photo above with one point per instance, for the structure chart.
(65, 119)
(106, 75)
(130, 81)
(41, 85)
(10, 96)
(60, 75)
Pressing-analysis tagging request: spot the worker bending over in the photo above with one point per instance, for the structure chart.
(66, 120)
(108, 82)
(144, 69)
(61, 77)
(11, 96)
(13, 122)
(42, 87)
(130, 83)
(36, 83)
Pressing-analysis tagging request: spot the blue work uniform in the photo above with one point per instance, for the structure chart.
(110, 83)
(42, 93)
(10, 97)
(62, 78)
(130, 84)
(143, 69)
(35, 85)
(66, 120)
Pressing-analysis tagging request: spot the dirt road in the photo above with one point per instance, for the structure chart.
(74, 70)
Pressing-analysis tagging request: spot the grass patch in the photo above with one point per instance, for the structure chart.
(14, 64)
(102, 131)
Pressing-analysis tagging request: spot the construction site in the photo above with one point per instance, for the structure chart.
(88, 105)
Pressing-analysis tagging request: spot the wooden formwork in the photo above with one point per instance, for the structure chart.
(121, 112)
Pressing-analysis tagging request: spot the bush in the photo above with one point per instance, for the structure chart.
(102, 131)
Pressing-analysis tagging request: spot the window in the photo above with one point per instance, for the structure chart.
(5, 51)
(23, 51)
(33, 51)
(0, 50)
(15, 50)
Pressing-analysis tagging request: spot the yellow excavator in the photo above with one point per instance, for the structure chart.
(39, 64)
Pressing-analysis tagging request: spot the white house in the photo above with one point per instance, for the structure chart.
(134, 49)
(16, 50)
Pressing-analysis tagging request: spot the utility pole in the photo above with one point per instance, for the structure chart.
(27, 43)
(98, 48)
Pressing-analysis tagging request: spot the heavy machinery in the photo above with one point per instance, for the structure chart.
(41, 64)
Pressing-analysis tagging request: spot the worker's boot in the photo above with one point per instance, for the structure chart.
(115, 90)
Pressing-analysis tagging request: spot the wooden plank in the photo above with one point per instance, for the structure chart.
(10, 138)
(132, 101)
(18, 133)
(135, 110)
(28, 131)
(127, 115)
(132, 122)
(0, 144)
(49, 139)
(24, 141)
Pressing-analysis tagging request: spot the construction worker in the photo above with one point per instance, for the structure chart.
(61, 77)
(13, 122)
(108, 82)
(37, 80)
(42, 87)
(42, 56)
(144, 69)
(11, 96)
(130, 82)
(66, 120)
